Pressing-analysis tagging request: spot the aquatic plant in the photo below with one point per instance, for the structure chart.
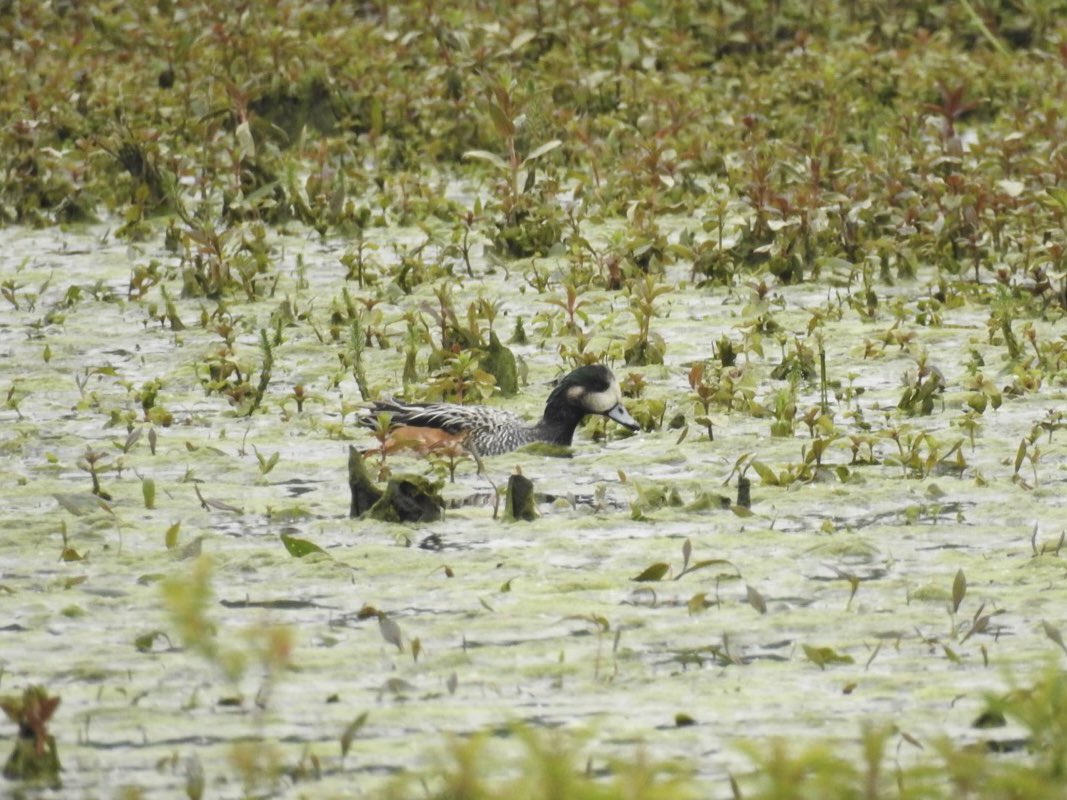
(645, 347)
(188, 599)
(529, 221)
(545, 768)
(35, 758)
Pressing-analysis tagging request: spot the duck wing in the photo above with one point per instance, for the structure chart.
(450, 417)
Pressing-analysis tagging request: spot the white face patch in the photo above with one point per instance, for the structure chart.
(599, 402)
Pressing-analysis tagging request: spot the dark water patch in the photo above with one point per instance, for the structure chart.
(103, 592)
(1018, 745)
(441, 543)
(473, 500)
(298, 487)
(278, 605)
(872, 574)
(714, 656)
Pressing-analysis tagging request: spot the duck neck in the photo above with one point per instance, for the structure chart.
(558, 424)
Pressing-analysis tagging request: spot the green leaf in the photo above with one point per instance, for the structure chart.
(755, 599)
(1053, 633)
(298, 548)
(246, 143)
(547, 147)
(170, 538)
(145, 641)
(1057, 195)
(265, 464)
(697, 603)
(131, 439)
(821, 656)
(492, 158)
(766, 474)
(377, 116)
(350, 732)
(1020, 454)
(522, 39)
(501, 121)
(709, 562)
(81, 504)
(390, 631)
(653, 573)
(959, 590)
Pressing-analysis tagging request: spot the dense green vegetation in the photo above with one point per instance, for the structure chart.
(885, 138)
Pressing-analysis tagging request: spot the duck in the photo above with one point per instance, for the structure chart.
(452, 428)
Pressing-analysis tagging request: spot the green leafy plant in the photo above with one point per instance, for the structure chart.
(189, 599)
(35, 758)
(357, 259)
(529, 223)
(645, 346)
(545, 768)
(921, 389)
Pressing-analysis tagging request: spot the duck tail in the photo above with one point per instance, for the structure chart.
(369, 417)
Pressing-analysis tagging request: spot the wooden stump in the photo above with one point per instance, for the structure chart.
(520, 503)
(364, 493)
(406, 498)
(744, 492)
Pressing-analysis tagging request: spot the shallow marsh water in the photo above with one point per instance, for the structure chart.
(541, 622)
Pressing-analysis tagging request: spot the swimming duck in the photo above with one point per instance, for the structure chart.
(488, 431)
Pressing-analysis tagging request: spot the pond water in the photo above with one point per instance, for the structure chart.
(536, 622)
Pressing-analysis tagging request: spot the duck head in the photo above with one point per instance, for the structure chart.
(591, 389)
